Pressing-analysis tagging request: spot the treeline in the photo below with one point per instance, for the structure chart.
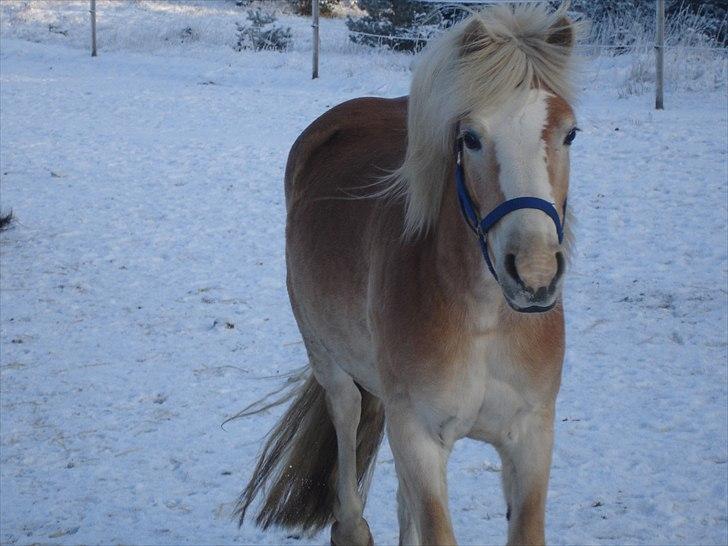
(301, 7)
(406, 24)
(707, 16)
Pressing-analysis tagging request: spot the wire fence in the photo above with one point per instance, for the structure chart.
(153, 25)
(637, 42)
(582, 46)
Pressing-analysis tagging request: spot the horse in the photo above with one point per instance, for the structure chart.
(426, 245)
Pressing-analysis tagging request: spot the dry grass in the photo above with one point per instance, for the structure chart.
(6, 220)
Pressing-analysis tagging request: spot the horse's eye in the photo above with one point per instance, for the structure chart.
(571, 136)
(472, 142)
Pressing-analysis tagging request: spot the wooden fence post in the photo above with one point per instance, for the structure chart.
(93, 28)
(315, 13)
(660, 56)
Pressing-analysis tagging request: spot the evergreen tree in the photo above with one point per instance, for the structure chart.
(303, 7)
(262, 32)
(401, 25)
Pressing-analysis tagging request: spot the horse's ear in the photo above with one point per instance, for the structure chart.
(474, 38)
(561, 33)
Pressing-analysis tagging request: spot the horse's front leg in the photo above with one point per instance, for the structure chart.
(526, 457)
(421, 460)
(407, 529)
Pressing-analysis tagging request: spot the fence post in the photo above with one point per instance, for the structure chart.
(315, 13)
(660, 55)
(93, 28)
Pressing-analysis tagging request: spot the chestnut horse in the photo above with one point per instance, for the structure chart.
(435, 301)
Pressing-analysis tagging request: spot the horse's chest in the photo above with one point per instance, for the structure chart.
(492, 396)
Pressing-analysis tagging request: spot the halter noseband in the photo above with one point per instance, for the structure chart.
(481, 226)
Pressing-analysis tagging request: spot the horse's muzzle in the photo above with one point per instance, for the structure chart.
(525, 298)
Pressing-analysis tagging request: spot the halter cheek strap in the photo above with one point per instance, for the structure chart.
(481, 226)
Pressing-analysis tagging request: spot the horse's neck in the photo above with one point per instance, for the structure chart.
(460, 266)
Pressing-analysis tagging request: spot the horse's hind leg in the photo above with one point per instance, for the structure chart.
(344, 404)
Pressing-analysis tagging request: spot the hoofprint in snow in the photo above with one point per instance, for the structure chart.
(143, 300)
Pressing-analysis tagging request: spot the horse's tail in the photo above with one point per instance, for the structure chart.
(297, 468)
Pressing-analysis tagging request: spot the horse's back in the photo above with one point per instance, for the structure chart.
(347, 148)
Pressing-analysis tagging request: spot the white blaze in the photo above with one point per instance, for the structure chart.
(517, 135)
(520, 149)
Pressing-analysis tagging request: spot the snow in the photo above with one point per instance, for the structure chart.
(142, 289)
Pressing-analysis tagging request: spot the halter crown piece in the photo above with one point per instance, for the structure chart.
(481, 226)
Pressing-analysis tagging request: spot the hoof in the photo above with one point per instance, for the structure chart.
(352, 535)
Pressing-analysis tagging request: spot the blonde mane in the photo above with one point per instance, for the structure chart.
(478, 64)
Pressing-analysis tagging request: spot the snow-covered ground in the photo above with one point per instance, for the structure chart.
(143, 301)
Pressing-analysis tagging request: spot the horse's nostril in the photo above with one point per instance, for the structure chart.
(510, 264)
(559, 271)
(559, 263)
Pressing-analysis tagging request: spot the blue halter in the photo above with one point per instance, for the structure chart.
(481, 227)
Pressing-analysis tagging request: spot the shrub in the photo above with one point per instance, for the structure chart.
(624, 21)
(695, 58)
(261, 32)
